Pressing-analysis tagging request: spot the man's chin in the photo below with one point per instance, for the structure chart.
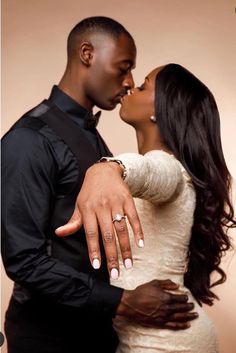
(109, 106)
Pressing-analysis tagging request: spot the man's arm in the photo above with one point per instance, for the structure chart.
(26, 199)
(29, 168)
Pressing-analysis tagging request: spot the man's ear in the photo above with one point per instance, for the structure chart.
(86, 53)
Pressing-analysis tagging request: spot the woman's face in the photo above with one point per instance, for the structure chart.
(137, 107)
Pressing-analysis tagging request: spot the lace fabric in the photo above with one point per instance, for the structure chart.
(166, 214)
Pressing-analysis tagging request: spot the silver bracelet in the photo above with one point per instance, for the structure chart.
(118, 161)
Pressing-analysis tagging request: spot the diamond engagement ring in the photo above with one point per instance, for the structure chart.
(118, 217)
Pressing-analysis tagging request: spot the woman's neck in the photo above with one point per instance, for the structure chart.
(149, 140)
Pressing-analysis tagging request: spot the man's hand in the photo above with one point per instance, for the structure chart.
(103, 195)
(151, 305)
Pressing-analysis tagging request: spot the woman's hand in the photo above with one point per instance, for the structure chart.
(104, 196)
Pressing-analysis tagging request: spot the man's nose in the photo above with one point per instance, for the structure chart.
(129, 81)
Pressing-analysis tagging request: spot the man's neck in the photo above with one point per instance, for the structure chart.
(74, 89)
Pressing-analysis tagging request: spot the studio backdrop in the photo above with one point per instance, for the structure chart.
(199, 35)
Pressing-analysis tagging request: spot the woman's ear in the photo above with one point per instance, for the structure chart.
(86, 53)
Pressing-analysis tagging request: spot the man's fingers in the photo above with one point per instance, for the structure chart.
(180, 321)
(123, 238)
(132, 215)
(176, 325)
(177, 298)
(168, 284)
(183, 317)
(171, 309)
(72, 226)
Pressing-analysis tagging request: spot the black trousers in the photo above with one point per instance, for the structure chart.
(39, 327)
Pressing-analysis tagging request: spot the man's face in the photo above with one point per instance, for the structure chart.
(109, 76)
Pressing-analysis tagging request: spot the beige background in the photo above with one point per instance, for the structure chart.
(197, 34)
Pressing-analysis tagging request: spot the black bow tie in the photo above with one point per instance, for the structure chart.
(91, 120)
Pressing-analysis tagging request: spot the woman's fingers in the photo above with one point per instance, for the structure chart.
(99, 210)
(121, 229)
(92, 238)
(109, 241)
(132, 215)
(72, 226)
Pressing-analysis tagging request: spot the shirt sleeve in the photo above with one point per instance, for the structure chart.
(29, 171)
(155, 176)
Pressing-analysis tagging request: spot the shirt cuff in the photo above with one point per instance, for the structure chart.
(105, 298)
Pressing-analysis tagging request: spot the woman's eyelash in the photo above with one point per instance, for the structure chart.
(141, 88)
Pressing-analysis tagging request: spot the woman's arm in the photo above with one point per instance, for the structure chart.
(155, 177)
(104, 194)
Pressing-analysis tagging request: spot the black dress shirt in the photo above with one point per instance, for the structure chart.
(35, 167)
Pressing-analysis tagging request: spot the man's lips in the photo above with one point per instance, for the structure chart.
(117, 99)
(120, 97)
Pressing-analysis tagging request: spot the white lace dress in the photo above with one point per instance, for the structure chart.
(166, 213)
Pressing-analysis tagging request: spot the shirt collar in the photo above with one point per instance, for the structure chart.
(68, 105)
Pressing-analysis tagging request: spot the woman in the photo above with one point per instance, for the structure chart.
(183, 177)
(181, 186)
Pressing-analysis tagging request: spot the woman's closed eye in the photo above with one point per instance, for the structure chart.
(141, 88)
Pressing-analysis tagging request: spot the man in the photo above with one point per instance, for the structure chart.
(59, 303)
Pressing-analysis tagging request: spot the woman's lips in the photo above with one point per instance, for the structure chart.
(122, 98)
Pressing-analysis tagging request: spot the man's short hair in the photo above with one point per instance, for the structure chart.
(93, 25)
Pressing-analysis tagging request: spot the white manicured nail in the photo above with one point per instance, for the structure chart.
(114, 273)
(96, 264)
(128, 263)
(141, 243)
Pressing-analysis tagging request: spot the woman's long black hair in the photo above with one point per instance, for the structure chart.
(189, 123)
